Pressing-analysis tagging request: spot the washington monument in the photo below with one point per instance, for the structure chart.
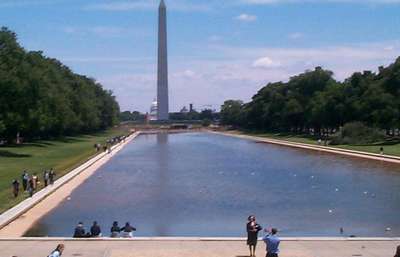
(162, 74)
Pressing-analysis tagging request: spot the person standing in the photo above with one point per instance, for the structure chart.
(46, 178)
(25, 179)
(95, 230)
(52, 176)
(35, 180)
(272, 242)
(397, 251)
(31, 188)
(252, 234)
(58, 251)
(15, 185)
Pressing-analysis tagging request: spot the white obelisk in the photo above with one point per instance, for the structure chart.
(162, 75)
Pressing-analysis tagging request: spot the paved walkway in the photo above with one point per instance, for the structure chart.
(334, 150)
(177, 248)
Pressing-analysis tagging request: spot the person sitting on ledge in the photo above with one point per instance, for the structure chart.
(127, 231)
(95, 230)
(115, 229)
(79, 231)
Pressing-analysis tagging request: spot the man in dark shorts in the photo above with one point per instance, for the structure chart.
(252, 234)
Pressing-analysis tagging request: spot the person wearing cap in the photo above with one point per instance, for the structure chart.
(79, 231)
(272, 242)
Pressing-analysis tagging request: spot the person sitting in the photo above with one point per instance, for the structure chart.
(272, 242)
(58, 251)
(95, 230)
(127, 231)
(79, 231)
(115, 229)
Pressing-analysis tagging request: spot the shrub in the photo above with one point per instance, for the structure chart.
(356, 133)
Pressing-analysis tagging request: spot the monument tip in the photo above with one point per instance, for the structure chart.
(162, 4)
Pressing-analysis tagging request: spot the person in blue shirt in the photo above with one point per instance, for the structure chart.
(272, 242)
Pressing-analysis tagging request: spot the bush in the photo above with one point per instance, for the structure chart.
(206, 122)
(356, 133)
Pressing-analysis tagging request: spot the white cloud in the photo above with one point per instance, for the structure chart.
(235, 72)
(246, 17)
(214, 38)
(266, 2)
(265, 63)
(296, 35)
(126, 5)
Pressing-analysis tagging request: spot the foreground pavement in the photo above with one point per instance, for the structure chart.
(195, 248)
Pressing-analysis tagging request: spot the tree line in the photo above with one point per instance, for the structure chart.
(41, 97)
(314, 102)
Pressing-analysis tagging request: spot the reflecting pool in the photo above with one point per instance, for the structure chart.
(201, 184)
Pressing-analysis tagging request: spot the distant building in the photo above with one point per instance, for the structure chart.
(184, 110)
(153, 111)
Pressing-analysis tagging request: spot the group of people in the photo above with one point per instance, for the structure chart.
(271, 240)
(30, 183)
(109, 143)
(95, 230)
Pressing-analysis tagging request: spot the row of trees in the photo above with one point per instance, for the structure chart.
(315, 101)
(41, 97)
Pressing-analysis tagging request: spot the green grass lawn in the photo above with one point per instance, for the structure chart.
(61, 154)
(390, 147)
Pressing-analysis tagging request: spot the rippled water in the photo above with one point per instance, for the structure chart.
(200, 184)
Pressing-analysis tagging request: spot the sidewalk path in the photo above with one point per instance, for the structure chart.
(334, 150)
(16, 221)
(177, 248)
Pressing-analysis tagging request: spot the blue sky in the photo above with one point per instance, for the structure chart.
(218, 49)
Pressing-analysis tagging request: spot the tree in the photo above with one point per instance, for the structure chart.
(230, 112)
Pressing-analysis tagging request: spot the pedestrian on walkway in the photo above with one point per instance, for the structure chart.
(35, 180)
(46, 178)
(15, 185)
(52, 176)
(31, 188)
(397, 251)
(25, 179)
(58, 251)
(252, 234)
(272, 242)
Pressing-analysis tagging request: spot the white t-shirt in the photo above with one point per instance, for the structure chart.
(55, 254)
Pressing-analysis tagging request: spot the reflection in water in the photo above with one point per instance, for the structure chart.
(163, 169)
(206, 185)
